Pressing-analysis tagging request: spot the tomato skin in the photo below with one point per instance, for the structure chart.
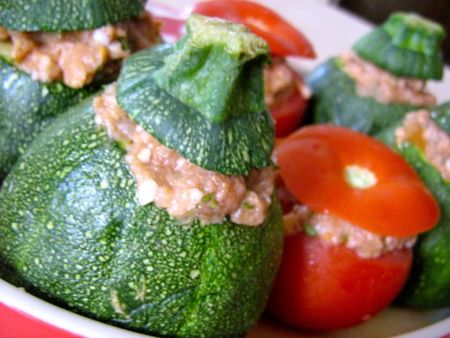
(326, 287)
(289, 113)
(288, 102)
(283, 38)
(313, 160)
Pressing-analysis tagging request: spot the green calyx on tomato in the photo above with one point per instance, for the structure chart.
(356, 178)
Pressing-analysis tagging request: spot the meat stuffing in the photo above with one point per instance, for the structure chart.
(420, 129)
(184, 189)
(75, 57)
(383, 86)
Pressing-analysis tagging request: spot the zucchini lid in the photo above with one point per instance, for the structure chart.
(407, 45)
(204, 96)
(65, 15)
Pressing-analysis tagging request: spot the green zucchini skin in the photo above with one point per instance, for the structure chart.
(26, 107)
(232, 147)
(406, 45)
(204, 96)
(65, 15)
(428, 285)
(72, 229)
(336, 101)
(441, 115)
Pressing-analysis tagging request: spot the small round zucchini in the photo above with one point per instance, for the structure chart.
(406, 45)
(72, 229)
(27, 105)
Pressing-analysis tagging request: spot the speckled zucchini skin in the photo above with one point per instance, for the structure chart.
(336, 101)
(72, 229)
(428, 285)
(406, 45)
(26, 107)
(233, 146)
(65, 15)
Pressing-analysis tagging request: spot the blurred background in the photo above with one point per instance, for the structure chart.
(377, 11)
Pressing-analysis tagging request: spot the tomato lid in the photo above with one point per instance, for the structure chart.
(353, 176)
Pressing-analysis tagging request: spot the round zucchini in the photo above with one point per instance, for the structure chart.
(337, 101)
(65, 15)
(27, 106)
(429, 280)
(406, 45)
(72, 231)
(71, 227)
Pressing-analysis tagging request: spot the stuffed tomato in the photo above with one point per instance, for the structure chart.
(352, 210)
(286, 94)
(382, 78)
(423, 139)
(139, 206)
(52, 60)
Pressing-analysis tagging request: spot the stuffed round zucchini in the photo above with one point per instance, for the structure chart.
(144, 205)
(383, 78)
(51, 61)
(423, 139)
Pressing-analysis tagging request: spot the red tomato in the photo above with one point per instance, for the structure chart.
(313, 164)
(326, 287)
(289, 101)
(288, 113)
(283, 38)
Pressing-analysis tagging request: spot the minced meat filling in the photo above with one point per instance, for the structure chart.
(184, 189)
(280, 82)
(434, 142)
(75, 57)
(336, 231)
(383, 86)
